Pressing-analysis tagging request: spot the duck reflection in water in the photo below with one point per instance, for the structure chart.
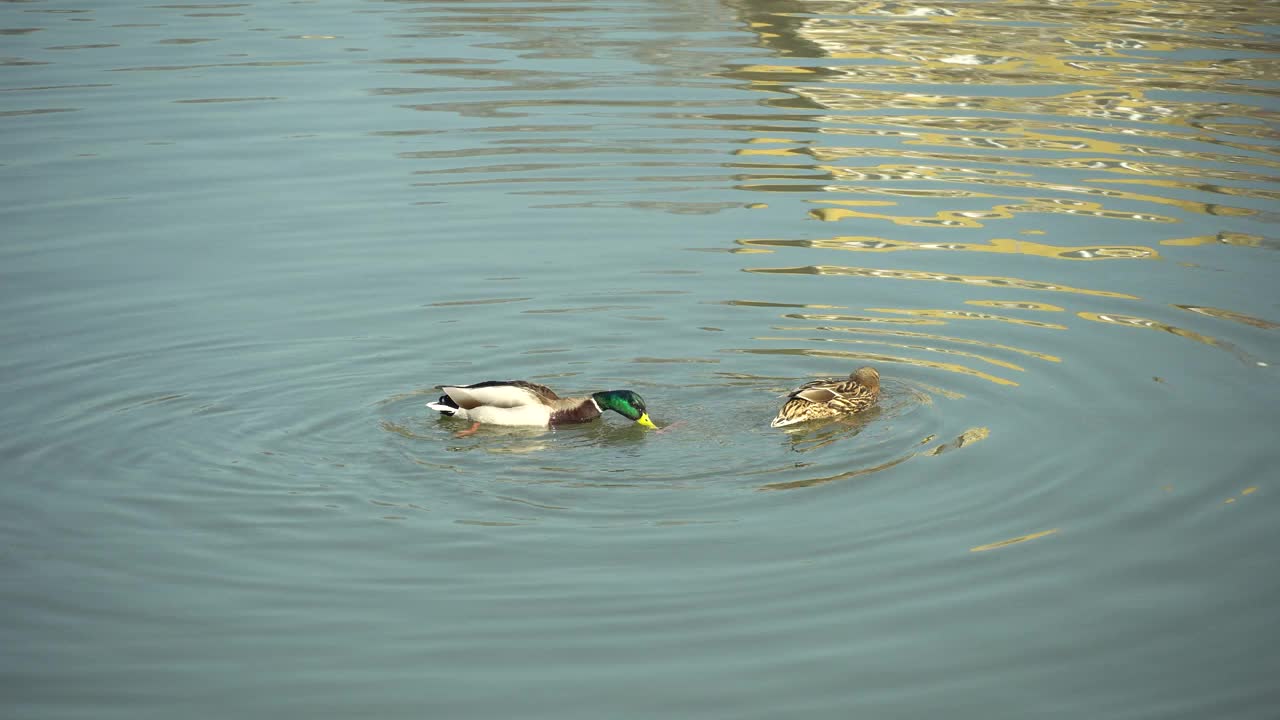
(805, 437)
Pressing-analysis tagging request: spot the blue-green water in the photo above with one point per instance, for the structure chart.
(241, 242)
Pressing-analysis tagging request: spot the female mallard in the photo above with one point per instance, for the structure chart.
(829, 398)
(516, 402)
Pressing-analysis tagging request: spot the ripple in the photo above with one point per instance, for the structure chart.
(854, 356)
(704, 429)
(1231, 315)
(978, 218)
(219, 349)
(36, 111)
(996, 245)
(925, 336)
(197, 101)
(1141, 322)
(1013, 541)
(983, 280)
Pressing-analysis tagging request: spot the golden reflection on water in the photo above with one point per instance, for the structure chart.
(995, 245)
(1039, 44)
(1097, 159)
(1015, 305)
(1112, 131)
(1013, 541)
(871, 358)
(864, 319)
(927, 336)
(1141, 322)
(1230, 315)
(969, 315)
(1122, 92)
(1226, 238)
(1148, 323)
(976, 218)
(1041, 204)
(1243, 493)
(903, 346)
(982, 280)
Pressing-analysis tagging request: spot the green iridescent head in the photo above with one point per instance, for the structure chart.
(626, 403)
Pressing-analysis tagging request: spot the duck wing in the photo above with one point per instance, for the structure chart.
(841, 395)
(851, 397)
(817, 394)
(806, 389)
(500, 393)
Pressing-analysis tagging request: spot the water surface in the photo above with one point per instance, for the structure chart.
(244, 241)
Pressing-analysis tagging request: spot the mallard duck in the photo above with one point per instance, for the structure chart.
(517, 402)
(829, 398)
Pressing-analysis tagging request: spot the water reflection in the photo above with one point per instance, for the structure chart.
(996, 245)
(819, 434)
(928, 336)
(968, 437)
(809, 439)
(1131, 144)
(198, 332)
(1013, 540)
(871, 358)
(978, 218)
(1231, 315)
(1111, 136)
(970, 315)
(1015, 305)
(1141, 322)
(1117, 101)
(980, 280)
(902, 346)
(1227, 238)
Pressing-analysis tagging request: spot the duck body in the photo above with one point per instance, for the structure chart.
(829, 398)
(519, 402)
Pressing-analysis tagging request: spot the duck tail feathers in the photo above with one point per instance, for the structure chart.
(444, 405)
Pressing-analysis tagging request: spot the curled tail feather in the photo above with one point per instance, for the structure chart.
(444, 405)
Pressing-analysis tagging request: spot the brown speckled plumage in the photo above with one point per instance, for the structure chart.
(828, 398)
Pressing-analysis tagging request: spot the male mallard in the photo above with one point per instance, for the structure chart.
(516, 402)
(829, 398)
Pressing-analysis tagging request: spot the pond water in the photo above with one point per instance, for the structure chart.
(243, 242)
